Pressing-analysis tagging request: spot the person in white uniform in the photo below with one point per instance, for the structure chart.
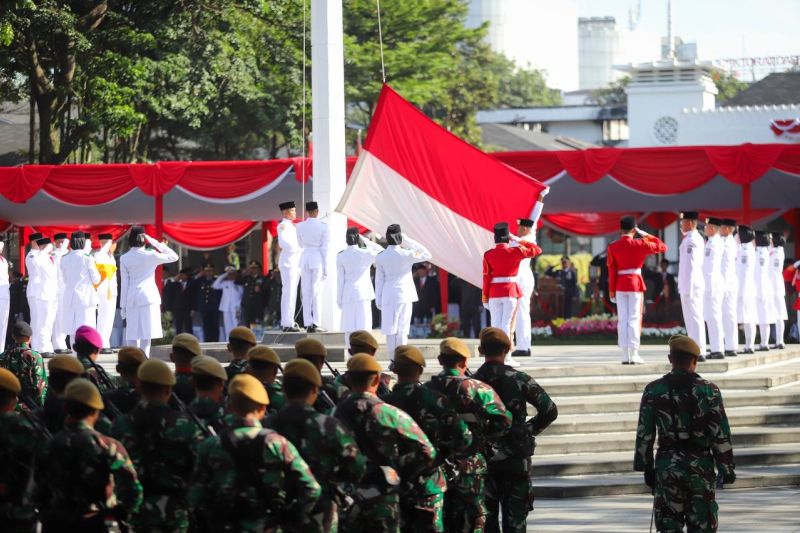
(5, 296)
(526, 231)
(765, 299)
(230, 303)
(778, 257)
(80, 276)
(691, 284)
(47, 299)
(289, 265)
(60, 330)
(730, 251)
(107, 289)
(746, 313)
(354, 291)
(140, 300)
(395, 292)
(715, 288)
(33, 287)
(312, 235)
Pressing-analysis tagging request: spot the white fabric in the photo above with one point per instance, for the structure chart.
(46, 317)
(289, 265)
(46, 299)
(311, 289)
(629, 322)
(778, 285)
(690, 265)
(356, 316)
(525, 278)
(712, 312)
(394, 283)
(144, 344)
(730, 301)
(507, 279)
(765, 298)
(143, 322)
(749, 335)
(34, 281)
(502, 313)
(353, 269)
(60, 327)
(763, 335)
(80, 275)
(729, 323)
(692, 306)
(780, 328)
(231, 299)
(712, 264)
(522, 327)
(312, 236)
(746, 274)
(106, 296)
(730, 253)
(5, 297)
(139, 296)
(630, 271)
(229, 321)
(395, 324)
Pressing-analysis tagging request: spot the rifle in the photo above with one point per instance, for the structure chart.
(103, 376)
(32, 418)
(208, 431)
(383, 390)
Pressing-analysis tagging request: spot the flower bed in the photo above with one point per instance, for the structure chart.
(597, 327)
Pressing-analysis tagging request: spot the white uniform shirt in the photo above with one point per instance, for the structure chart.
(4, 284)
(746, 272)
(290, 247)
(729, 254)
(353, 265)
(34, 280)
(394, 283)
(525, 277)
(48, 275)
(137, 268)
(712, 264)
(108, 288)
(312, 236)
(778, 256)
(690, 265)
(80, 275)
(764, 282)
(231, 300)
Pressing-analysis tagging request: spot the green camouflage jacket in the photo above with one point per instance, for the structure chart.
(276, 398)
(19, 442)
(687, 413)
(93, 375)
(517, 390)
(163, 445)
(248, 479)
(210, 412)
(237, 366)
(124, 397)
(183, 389)
(28, 366)
(438, 419)
(84, 471)
(54, 415)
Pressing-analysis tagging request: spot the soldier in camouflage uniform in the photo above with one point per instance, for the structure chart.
(422, 509)
(126, 395)
(209, 380)
(362, 341)
(393, 444)
(87, 344)
(18, 445)
(250, 479)
(326, 445)
(264, 364)
(162, 443)
(185, 347)
(486, 416)
(88, 480)
(27, 365)
(315, 353)
(240, 341)
(508, 483)
(686, 412)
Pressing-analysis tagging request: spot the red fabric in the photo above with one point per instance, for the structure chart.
(86, 185)
(745, 163)
(660, 220)
(663, 170)
(208, 235)
(227, 179)
(629, 253)
(116, 231)
(542, 166)
(4, 225)
(455, 174)
(502, 261)
(587, 224)
(19, 184)
(588, 166)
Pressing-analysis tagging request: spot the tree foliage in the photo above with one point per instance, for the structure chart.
(614, 94)
(728, 86)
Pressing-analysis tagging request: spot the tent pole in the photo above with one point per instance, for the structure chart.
(159, 236)
(747, 204)
(265, 266)
(21, 249)
(444, 290)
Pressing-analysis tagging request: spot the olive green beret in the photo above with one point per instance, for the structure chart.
(246, 386)
(683, 344)
(310, 347)
(494, 336)
(409, 354)
(68, 364)
(265, 354)
(156, 372)
(208, 366)
(131, 355)
(454, 346)
(302, 369)
(243, 334)
(188, 342)
(9, 382)
(361, 339)
(83, 391)
(363, 362)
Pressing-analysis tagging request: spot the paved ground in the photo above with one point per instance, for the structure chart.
(741, 511)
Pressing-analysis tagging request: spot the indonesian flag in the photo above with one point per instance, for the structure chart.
(444, 192)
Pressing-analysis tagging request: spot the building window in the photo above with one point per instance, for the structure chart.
(535, 127)
(615, 130)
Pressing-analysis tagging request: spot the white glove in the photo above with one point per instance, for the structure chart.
(796, 263)
(2, 245)
(122, 313)
(613, 300)
(154, 243)
(642, 232)
(87, 246)
(514, 238)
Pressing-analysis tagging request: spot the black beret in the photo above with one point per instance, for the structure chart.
(714, 221)
(22, 329)
(59, 236)
(286, 205)
(689, 215)
(525, 222)
(729, 222)
(312, 206)
(44, 241)
(33, 237)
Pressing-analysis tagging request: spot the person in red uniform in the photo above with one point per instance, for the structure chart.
(626, 286)
(792, 275)
(500, 268)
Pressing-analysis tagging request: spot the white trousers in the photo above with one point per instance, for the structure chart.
(693, 318)
(60, 331)
(729, 323)
(522, 329)
(229, 321)
(45, 318)
(79, 316)
(106, 311)
(502, 311)
(290, 276)
(5, 306)
(749, 336)
(763, 335)
(629, 319)
(310, 285)
(32, 306)
(356, 316)
(712, 311)
(395, 324)
(144, 344)
(780, 327)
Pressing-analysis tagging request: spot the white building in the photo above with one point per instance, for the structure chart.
(599, 49)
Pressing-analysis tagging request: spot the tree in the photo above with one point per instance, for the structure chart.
(728, 86)
(614, 94)
(523, 87)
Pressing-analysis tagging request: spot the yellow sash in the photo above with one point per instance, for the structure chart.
(107, 272)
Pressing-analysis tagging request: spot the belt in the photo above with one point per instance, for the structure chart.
(629, 271)
(511, 279)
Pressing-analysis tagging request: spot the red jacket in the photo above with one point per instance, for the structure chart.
(502, 261)
(792, 275)
(628, 253)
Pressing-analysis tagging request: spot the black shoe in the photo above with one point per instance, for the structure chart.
(521, 353)
(60, 352)
(293, 329)
(730, 353)
(701, 359)
(716, 355)
(762, 349)
(49, 355)
(781, 346)
(627, 363)
(748, 351)
(315, 329)
(106, 351)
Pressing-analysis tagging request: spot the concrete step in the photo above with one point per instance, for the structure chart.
(622, 462)
(622, 441)
(604, 423)
(608, 484)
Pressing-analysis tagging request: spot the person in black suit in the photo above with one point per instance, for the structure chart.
(568, 279)
(470, 308)
(666, 286)
(206, 302)
(255, 296)
(178, 301)
(429, 300)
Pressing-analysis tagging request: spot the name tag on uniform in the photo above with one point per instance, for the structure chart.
(708, 252)
(744, 260)
(776, 264)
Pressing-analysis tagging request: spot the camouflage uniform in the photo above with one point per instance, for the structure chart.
(18, 446)
(486, 416)
(162, 443)
(336, 391)
(693, 436)
(54, 416)
(330, 451)
(388, 437)
(340, 389)
(92, 375)
(28, 366)
(508, 483)
(422, 510)
(276, 398)
(237, 366)
(83, 472)
(183, 388)
(210, 412)
(250, 479)
(124, 397)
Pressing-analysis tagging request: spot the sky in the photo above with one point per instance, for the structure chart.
(721, 28)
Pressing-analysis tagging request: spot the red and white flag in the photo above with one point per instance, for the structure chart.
(443, 192)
